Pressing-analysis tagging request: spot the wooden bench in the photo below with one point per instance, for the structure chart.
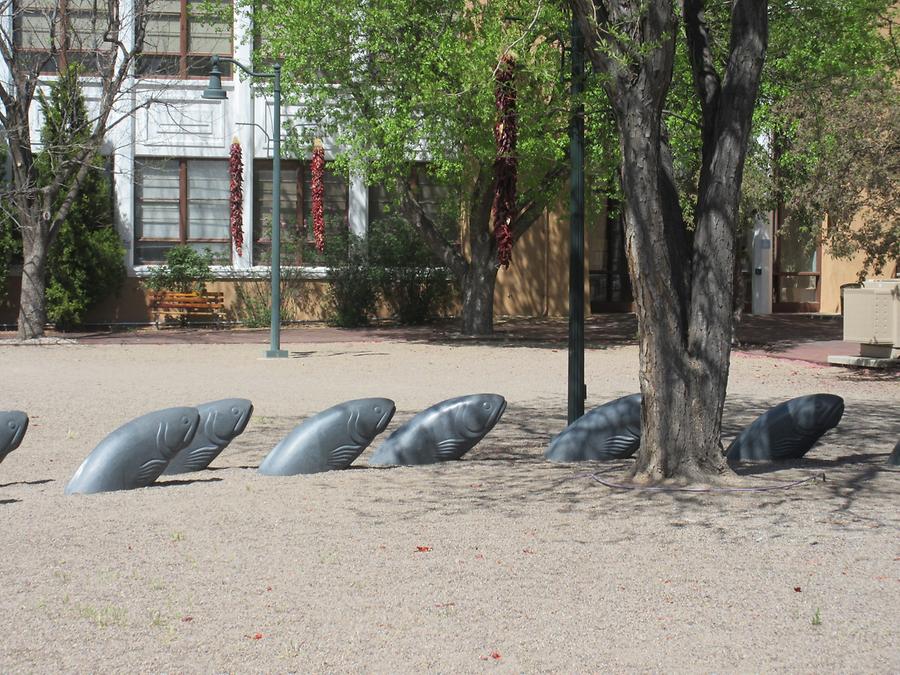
(208, 307)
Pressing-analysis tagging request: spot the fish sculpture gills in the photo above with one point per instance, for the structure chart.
(220, 423)
(13, 425)
(443, 432)
(331, 439)
(135, 454)
(609, 431)
(788, 430)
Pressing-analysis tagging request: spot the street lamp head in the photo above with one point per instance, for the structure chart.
(214, 90)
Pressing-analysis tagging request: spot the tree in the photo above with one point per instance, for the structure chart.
(100, 44)
(830, 105)
(85, 261)
(416, 81)
(683, 285)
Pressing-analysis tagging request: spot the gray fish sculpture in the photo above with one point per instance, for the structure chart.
(135, 454)
(220, 423)
(894, 457)
(443, 432)
(788, 430)
(331, 439)
(609, 431)
(13, 425)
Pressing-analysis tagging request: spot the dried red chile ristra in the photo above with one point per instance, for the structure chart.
(318, 194)
(506, 164)
(236, 201)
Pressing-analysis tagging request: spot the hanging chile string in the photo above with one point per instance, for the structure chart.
(318, 193)
(506, 163)
(236, 200)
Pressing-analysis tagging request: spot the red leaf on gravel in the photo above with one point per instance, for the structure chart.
(796, 589)
(187, 619)
(268, 588)
(527, 550)
(423, 549)
(495, 655)
(257, 636)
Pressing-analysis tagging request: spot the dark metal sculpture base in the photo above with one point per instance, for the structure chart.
(609, 431)
(788, 430)
(443, 432)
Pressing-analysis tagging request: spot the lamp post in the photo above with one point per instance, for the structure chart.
(577, 389)
(215, 92)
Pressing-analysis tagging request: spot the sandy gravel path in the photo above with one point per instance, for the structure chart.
(499, 562)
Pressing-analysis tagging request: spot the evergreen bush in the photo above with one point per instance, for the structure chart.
(85, 263)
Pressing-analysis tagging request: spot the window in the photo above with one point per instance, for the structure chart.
(432, 195)
(181, 201)
(75, 28)
(181, 37)
(297, 239)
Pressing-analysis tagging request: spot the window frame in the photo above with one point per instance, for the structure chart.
(298, 216)
(53, 64)
(183, 212)
(184, 53)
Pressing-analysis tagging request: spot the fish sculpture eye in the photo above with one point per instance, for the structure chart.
(235, 411)
(12, 425)
(377, 409)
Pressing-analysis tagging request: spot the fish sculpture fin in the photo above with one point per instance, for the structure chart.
(451, 448)
(343, 456)
(149, 471)
(621, 446)
(200, 458)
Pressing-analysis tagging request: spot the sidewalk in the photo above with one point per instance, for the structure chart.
(804, 337)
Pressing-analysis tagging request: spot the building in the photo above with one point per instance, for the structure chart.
(169, 161)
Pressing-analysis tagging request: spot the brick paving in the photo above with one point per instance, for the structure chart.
(805, 337)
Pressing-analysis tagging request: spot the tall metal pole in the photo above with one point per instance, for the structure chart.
(275, 350)
(577, 389)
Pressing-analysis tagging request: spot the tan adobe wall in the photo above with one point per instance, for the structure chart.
(537, 281)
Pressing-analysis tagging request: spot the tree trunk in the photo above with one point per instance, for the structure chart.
(478, 297)
(682, 400)
(32, 303)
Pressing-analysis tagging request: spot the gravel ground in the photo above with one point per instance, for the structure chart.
(498, 562)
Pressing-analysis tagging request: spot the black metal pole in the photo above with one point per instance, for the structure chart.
(577, 390)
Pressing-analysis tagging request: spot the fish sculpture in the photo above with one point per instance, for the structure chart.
(220, 423)
(331, 439)
(788, 430)
(609, 431)
(13, 425)
(894, 457)
(135, 454)
(443, 432)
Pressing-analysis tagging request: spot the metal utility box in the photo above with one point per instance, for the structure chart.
(872, 318)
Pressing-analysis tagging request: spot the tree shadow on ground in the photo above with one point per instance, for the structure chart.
(507, 475)
(511, 458)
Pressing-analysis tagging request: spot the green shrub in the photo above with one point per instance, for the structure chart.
(186, 270)
(85, 262)
(352, 296)
(410, 278)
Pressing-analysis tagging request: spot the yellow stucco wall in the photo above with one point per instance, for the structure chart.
(537, 281)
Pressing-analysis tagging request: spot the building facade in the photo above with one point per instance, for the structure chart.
(168, 153)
